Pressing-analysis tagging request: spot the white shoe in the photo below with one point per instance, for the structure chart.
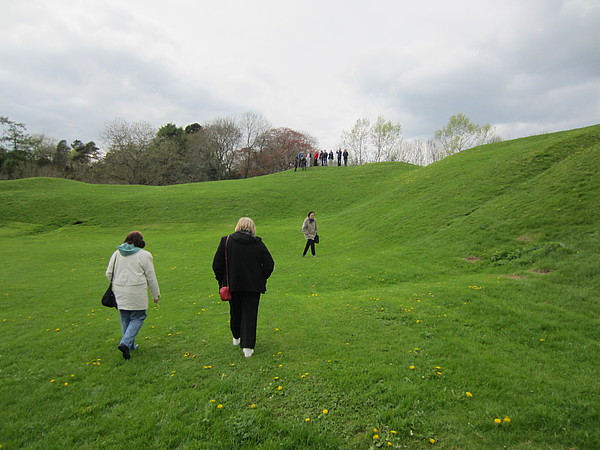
(236, 341)
(248, 352)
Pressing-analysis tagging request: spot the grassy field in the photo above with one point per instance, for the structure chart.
(453, 306)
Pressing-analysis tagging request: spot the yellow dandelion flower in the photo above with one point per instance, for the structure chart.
(375, 436)
(307, 419)
(65, 384)
(389, 444)
(411, 367)
(394, 432)
(276, 378)
(279, 388)
(468, 394)
(507, 419)
(375, 430)
(212, 401)
(219, 406)
(52, 381)
(325, 411)
(432, 440)
(498, 420)
(253, 405)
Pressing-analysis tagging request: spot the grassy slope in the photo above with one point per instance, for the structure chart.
(389, 290)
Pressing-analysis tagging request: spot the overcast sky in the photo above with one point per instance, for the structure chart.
(67, 68)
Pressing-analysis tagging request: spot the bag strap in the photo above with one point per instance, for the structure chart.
(226, 263)
(112, 277)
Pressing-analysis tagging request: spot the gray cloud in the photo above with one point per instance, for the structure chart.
(71, 66)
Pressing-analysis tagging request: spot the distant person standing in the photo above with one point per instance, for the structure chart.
(316, 161)
(324, 158)
(345, 155)
(331, 157)
(339, 157)
(309, 228)
(244, 262)
(131, 271)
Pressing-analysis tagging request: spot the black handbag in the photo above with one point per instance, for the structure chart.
(108, 299)
(316, 239)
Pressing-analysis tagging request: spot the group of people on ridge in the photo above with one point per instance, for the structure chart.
(242, 262)
(304, 160)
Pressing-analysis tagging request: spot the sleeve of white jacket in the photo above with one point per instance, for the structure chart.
(151, 276)
(110, 268)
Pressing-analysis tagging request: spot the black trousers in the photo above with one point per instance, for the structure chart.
(309, 243)
(243, 315)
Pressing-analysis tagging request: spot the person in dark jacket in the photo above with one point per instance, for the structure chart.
(245, 269)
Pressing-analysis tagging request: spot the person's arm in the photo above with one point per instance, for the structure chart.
(111, 267)
(151, 278)
(218, 264)
(267, 262)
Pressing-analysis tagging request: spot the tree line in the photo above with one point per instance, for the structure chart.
(225, 148)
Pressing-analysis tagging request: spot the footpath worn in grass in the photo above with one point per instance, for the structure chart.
(454, 305)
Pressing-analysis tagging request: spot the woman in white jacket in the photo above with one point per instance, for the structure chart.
(133, 275)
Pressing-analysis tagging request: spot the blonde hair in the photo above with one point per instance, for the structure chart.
(246, 224)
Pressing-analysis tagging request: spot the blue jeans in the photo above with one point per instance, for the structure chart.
(131, 323)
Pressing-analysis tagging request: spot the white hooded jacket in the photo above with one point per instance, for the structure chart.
(133, 275)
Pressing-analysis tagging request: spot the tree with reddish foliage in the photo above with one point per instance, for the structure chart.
(276, 151)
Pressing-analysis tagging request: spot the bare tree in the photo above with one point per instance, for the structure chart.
(128, 144)
(252, 126)
(226, 137)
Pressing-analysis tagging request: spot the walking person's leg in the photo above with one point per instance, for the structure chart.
(308, 241)
(131, 323)
(235, 317)
(249, 320)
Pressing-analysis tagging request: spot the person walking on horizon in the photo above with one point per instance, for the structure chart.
(345, 154)
(243, 261)
(131, 271)
(309, 228)
(339, 156)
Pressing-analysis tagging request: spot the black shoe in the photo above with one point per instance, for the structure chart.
(125, 351)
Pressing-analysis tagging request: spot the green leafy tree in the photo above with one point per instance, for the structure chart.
(15, 148)
(170, 131)
(357, 139)
(461, 133)
(385, 135)
(193, 128)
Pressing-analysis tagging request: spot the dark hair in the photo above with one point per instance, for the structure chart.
(312, 212)
(135, 238)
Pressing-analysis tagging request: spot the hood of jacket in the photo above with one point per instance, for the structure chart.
(243, 237)
(128, 249)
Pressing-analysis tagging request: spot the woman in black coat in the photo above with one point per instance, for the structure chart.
(245, 269)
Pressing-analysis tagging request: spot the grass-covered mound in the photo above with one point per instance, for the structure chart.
(443, 299)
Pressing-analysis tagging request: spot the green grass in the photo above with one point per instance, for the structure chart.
(388, 328)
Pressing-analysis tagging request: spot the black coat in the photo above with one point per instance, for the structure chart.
(250, 263)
